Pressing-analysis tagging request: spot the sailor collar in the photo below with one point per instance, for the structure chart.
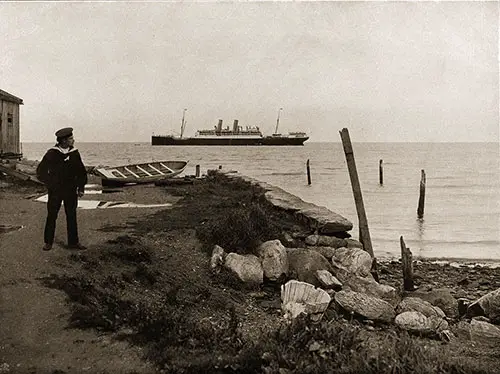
(64, 150)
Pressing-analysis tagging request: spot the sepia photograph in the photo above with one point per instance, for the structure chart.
(276, 187)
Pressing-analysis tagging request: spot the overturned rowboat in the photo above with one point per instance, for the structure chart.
(148, 172)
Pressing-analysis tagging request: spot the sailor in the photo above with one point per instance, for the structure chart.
(64, 174)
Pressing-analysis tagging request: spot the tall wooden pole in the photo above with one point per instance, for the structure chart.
(380, 172)
(421, 199)
(364, 233)
(308, 173)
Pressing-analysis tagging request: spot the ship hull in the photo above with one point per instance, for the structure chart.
(231, 141)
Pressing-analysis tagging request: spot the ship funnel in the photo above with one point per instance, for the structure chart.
(219, 126)
(235, 126)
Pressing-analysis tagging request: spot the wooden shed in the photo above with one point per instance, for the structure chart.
(10, 144)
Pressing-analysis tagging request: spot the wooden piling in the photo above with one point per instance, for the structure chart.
(308, 173)
(197, 171)
(364, 233)
(407, 264)
(380, 172)
(421, 199)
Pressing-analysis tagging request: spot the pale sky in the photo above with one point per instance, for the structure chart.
(120, 71)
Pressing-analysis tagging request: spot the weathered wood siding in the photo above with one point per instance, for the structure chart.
(9, 127)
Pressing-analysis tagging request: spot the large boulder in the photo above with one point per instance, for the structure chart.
(415, 304)
(274, 259)
(440, 297)
(303, 264)
(366, 306)
(325, 241)
(355, 260)
(247, 268)
(488, 306)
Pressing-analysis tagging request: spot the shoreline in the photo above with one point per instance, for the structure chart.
(28, 166)
(454, 262)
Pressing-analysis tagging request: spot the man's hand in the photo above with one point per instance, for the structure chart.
(80, 193)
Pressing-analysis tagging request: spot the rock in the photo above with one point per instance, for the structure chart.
(462, 329)
(488, 305)
(441, 298)
(328, 280)
(247, 268)
(303, 264)
(438, 324)
(326, 252)
(325, 241)
(283, 200)
(353, 243)
(417, 322)
(288, 240)
(320, 218)
(366, 285)
(366, 306)
(484, 332)
(274, 259)
(217, 259)
(355, 260)
(413, 321)
(323, 219)
(416, 304)
(463, 305)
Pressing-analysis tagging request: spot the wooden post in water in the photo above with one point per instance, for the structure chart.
(364, 233)
(380, 172)
(421, 199)
(197, 171)
(308, 173)
(407, 263)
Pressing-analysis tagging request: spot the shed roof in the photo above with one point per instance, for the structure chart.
(9, 97)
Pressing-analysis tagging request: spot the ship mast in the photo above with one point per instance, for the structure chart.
(278, 121)
(183, 124)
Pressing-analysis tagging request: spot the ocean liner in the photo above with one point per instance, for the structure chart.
(236, 136)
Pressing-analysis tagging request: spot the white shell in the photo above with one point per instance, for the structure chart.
(301, 297)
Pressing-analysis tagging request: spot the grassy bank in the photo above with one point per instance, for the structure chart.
(152, 287)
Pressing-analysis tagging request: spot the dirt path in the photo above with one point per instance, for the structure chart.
(33, 318)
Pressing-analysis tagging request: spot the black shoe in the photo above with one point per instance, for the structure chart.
(76, 246)
(47, 247)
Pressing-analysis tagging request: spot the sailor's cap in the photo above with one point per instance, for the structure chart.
(65, 132)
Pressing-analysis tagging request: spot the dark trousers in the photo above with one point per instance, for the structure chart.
(70, 200)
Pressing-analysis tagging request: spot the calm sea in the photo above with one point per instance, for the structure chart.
(462, 208)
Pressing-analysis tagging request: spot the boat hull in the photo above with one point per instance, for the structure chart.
(151, 172)
(231, 141)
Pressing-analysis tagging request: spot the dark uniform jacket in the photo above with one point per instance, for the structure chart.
(62, 172)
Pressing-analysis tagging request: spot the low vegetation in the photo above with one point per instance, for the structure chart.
(189, 323)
